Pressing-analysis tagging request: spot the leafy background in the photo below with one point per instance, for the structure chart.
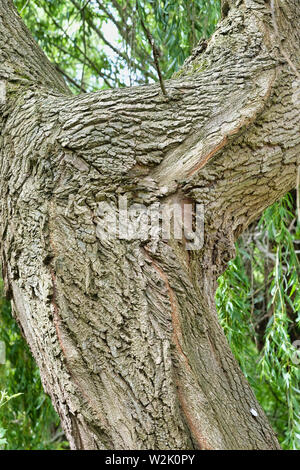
(103, 44)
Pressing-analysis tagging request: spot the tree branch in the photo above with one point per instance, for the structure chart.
(71, 80)
(155, 51)
(111, 46)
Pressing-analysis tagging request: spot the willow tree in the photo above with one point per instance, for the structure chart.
(125, 331)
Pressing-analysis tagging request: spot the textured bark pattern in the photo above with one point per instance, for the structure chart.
(125, 332)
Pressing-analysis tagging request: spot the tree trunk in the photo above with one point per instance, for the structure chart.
(125, 331)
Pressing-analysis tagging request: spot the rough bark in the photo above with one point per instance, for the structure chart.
(125, 332)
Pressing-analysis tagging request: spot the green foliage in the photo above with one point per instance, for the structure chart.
(102, 44)
(4, 398)
(177, 26)
(29, 422)
(259, 309)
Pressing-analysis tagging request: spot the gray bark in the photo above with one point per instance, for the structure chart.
(125, 333)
